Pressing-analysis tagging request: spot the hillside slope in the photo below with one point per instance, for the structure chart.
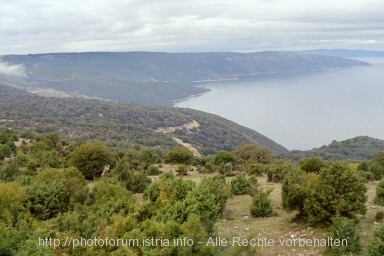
(152, 78)
(122, 124)
(358, 148)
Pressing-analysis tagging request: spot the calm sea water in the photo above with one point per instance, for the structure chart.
(303, 110)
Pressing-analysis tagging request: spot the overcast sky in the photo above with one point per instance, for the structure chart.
(42, 26)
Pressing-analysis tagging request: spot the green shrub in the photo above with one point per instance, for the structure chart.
(337, 192)
(10, 172)
(253, 153)
(20, 159)
(224, 157)
(226, 169)
(153, 170)
(240, 185)
(377, 170)
(261, 205)
(218, 187)
(276, 171)
(363, 166)
(179, 155)
(135, 182)
(379, 198)
(366, 176)
(313, 164)
(379, 216)
(90, 158)
(253, 186)
(256, 169)
(182, 170)
(205, 170)
(376, 247)
(344, 228)
(295, 190)
(47, 200)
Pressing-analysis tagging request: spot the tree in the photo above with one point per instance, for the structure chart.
(90, 158)
(50, 159)
(377, 170)
(136, 182)
(12, 199)
(253, 153)
(313, 164)
(72, 179)
(338, 192)
(47, 200)
(378, 158)
(277, 170)
(224, 157)
(295, 189)
(5, 151)
(179, 155)
(9, 172)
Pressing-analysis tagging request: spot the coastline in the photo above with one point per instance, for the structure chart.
(191, 96)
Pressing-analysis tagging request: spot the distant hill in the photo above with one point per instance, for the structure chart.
(151, 78)
(358, 148)
(344, 53)
(122, 124)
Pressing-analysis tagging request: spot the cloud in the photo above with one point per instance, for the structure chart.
(13, 70)
(168, 25)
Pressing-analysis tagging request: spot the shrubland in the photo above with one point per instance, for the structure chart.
(53, 186)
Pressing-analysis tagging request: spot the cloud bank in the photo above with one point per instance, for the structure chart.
(42, 26)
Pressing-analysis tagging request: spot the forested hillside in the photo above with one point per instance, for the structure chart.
(355, 149)
(151, 78)
(121, 124)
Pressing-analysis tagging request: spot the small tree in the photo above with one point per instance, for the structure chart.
(46, 200)
(313, 164)
(153, 170)
(179, 155)
(253, 153)
(12, 199)
(338, 192)
(90, 158)
(295, 189)
(256, 169)
(240, 185)
(261, 205)
(277, 170)
(376, 247)
(224, 157)
(344, 228)
(377, 171)
(379, 198)
(182, 170)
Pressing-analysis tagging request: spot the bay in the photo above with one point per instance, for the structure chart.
(302, 110)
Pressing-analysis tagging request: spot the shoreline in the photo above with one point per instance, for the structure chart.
(191, 96)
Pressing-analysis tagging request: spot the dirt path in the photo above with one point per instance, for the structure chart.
(187, 145)
(188, 126)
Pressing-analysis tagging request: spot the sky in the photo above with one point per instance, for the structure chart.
(46, 26)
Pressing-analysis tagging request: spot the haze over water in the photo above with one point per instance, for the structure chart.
(303, 110)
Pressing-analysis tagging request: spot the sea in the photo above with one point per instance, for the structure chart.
(302, 110)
